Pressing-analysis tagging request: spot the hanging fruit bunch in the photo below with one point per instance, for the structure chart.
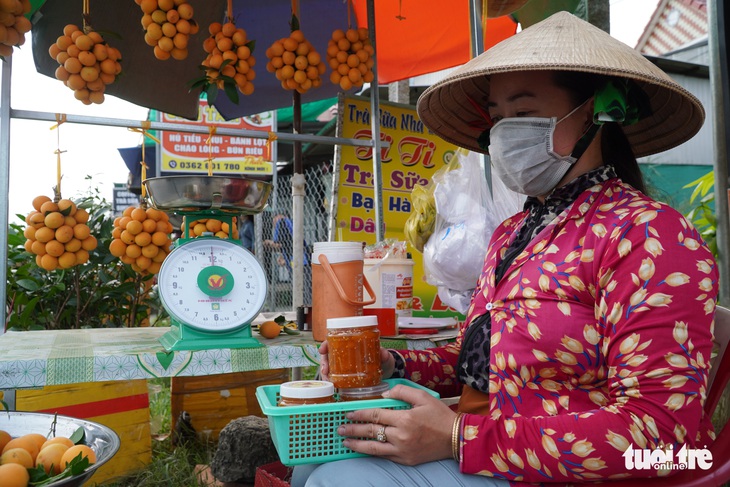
(58, 234)
(13, 24)
(87, 64)
(230, 58)
(350, 55)
(295, 62)
(168, 25)
(141, 238)
(216, 227)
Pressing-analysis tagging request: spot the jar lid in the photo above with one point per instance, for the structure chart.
(360, 392)
(352, 322)
(306, 389)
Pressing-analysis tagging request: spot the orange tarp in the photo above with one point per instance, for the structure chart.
(415, 37)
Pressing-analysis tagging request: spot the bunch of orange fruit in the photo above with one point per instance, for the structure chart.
(87, 64)
(13, 24)
(230, 54)
(350, 55)
(212, 226)
(141, 238)
(58, 234)
(295, 63)
(35, 450)
(168, 25)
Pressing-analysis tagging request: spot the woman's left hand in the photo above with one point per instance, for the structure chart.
(412, 436)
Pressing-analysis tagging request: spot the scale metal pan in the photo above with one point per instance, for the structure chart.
(198, 193)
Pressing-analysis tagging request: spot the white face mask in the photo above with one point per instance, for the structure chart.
(521, 151)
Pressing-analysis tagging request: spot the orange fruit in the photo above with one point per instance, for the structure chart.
(81, 231)
(54, 220)
(67, 260)
(149, 226)
(37, 437)
(89, 243)
(72, 245)
(48, 207)
(143, 239)
(134, 227)
(44, 234)
(29, 233)
(39, 200)
(50, 458)
(36, 219)
(64, 234)
(117, 248)
(4, 439)
(150, 251)
(133, 251)
(74, 451)
(38, 248)
(160, 238)
(70, 221)
(49, 262)
(81, 215)
(82, 256)
(55, 248)
(13, 475)
(269, 329)
(58, 439)
(17, 455)
(143, 262)
(127, 237)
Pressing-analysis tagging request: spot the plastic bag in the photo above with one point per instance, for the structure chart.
(419, 225)
(458, 300)
(454, 254)
(421, 222)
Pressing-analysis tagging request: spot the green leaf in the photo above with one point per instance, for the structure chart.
(212, 92)
(78, 436)
(28, 284)
(231, 91)
(280, 320)
(251, 45)
(294, 24)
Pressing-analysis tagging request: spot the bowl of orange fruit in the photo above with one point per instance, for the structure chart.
(52, 450)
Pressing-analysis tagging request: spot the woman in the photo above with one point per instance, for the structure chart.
(589, 332)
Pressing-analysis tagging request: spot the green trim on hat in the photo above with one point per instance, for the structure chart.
(621, 101)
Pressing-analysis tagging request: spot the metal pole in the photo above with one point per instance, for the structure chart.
(4, 180)
(297, 193)
(477, 47)
(8, 395)
(177, 127)
(375, 128)
(719, 87)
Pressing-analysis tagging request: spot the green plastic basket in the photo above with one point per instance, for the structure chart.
(308, 434)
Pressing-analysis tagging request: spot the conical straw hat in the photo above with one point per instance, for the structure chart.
(562, 42)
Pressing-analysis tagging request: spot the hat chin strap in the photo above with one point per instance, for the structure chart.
(584, 141)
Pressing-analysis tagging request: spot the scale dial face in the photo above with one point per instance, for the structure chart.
(212, 285)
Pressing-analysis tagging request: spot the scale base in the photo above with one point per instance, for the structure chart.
(184, 338)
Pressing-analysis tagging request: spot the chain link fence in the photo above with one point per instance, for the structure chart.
(273, 246)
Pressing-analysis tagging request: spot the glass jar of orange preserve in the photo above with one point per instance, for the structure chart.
(354, 351)
(301, 392)
(364, 393)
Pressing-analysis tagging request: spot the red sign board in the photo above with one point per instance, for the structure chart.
(186, 153)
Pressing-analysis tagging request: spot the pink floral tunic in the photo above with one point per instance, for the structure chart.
(601, 338)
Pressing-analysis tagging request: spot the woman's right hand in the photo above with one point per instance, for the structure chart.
(387, 362)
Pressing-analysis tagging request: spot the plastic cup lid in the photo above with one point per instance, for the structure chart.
(352, 322)
(306, 389)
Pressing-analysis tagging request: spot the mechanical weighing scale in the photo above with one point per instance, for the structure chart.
(212, 287)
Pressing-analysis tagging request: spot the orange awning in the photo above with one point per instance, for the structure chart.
(424, 36)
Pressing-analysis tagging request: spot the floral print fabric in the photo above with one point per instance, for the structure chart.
(474, 351)
(601, 339)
